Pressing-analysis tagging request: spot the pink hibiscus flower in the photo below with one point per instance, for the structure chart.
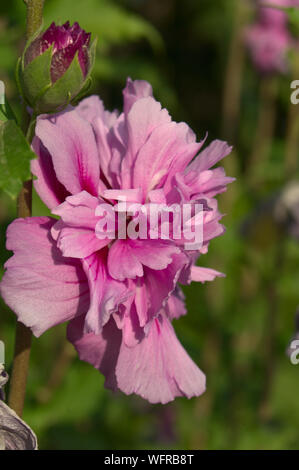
(119, 295)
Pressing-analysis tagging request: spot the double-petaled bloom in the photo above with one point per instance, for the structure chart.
(119, 295)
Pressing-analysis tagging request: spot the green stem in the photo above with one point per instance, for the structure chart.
(34, 16)
(234, 73)
(24, 209)
(292, 132)
(265, 129)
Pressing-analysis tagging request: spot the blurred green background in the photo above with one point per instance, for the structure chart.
(237, 328)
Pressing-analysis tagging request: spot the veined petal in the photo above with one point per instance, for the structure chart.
(135, 90)
(145, 115)
(158, 368)
(41, 286)
(79, 210)
(176, 307)
(210, 156)
(208, 183)
(106, 294)
(155, 288)
(100, 350)
(75, 233)
(155, 254)
(166, 151)
(76, 242)
(49, 189)
(122, 262)
(92, 108)
(71, 143)
(201, 274)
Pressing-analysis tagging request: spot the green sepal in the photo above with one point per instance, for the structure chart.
(18, 76)
(88, 80)
(63, 90)
(83, 92)
(92, 56)
(35, 79)
(37, 33)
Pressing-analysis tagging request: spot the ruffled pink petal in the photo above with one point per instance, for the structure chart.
(76, 232)
(41, 286)
(100, 350)
(211, 226)
(127, 257)
(155, 288)
(106, 294)
(124, 195)
(131, 328)
(118, 141)
(92, 108)
(76, 242)
(135, 90)
(210, 156)
(49, 189)
(176, 307)
(155, 254)
(145, 115)
(122, 262)
(71, 143)
(208, 183)
(158, 368)
(79, 210)
(201, 274)
(168, 149)
(157, 196)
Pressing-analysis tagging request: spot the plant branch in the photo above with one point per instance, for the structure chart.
(292, 133)
(34, 16)
(263, 139)
(24, 209)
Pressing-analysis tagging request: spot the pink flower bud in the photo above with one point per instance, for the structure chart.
(55, 67)
(66, 41)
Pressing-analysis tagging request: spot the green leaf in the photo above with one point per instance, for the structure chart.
(15, 156)
(6, 112)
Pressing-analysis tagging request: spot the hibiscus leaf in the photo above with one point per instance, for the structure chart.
(15, 156)
(6, 112)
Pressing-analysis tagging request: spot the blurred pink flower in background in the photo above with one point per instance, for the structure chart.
(119, 296)
(268, 39)
(273, 16)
